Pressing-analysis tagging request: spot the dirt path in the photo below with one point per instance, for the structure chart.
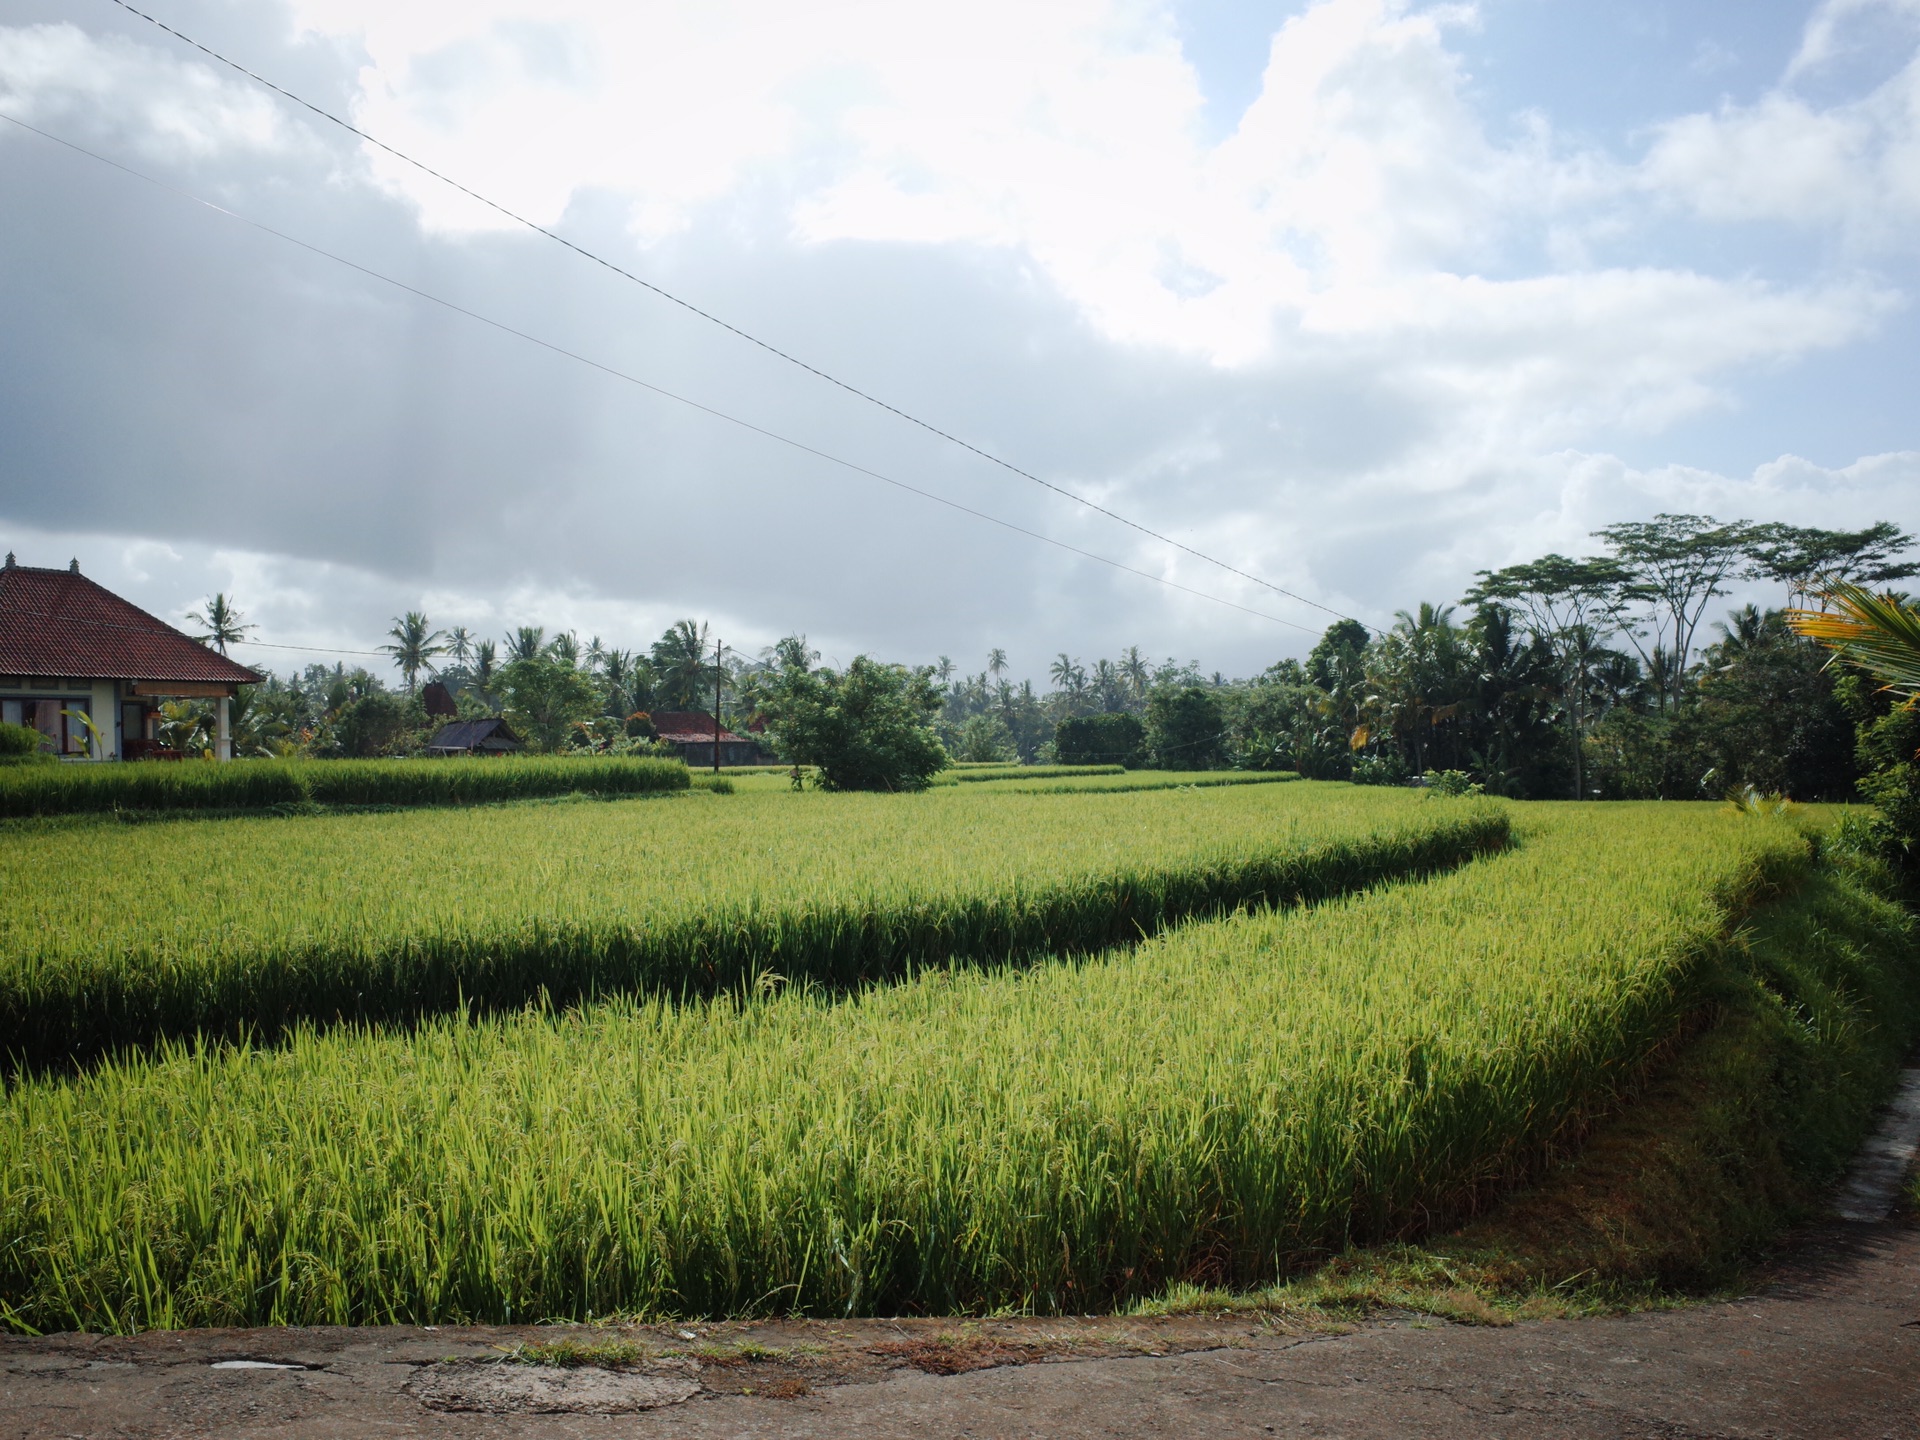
(1830, 1347)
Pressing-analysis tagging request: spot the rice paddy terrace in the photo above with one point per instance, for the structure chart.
(975, 1050)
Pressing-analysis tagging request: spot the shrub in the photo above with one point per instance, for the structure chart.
(1452, 783)
(1379, 770)
(866, 729)
(1185, 728)
(21, 745)
(1101, 740)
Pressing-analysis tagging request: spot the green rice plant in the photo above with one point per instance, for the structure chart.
(1121, 782)
(966, 774)
(262, 784)
(1212, 1107)
(115, 935)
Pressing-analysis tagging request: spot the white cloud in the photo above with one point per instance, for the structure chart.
(1360, 345)
(1851, 167)
(58, 75)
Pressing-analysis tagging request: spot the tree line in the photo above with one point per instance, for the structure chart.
(1604, 676)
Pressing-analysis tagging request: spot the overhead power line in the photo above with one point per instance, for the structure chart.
(89, 622)
(726, 325)
(622, 375)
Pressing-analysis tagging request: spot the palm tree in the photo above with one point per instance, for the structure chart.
(596, 653)
(526, 643)
(221, 623)
(996, 662)
(483, 663)
(680, 661)
(1063, 670)
(415, 643)
(1876, 632)
(943, 672)
(460, 644)
(1133, 665)
(565, 647)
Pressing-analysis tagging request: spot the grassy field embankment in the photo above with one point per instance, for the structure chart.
(118, 935)
(149, 786)
(1215, 1107)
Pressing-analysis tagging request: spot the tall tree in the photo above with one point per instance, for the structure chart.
(528, 642)
(996, 662)
(460, 644)
(1674, 566)
(565, 648)
(414, 645)
(1805, 559)
(1573, 605)
(220, 623)
(682, 666)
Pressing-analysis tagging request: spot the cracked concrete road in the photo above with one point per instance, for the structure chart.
(1829, 1347)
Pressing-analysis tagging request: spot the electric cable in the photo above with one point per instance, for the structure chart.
(713, 319)
(622, 375)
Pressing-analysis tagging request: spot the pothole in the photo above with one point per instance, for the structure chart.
(492, 1388)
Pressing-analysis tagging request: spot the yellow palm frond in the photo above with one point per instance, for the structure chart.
(1875, 632)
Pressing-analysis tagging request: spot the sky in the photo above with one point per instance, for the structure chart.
(1357, 297)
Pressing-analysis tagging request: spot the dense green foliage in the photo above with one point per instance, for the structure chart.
(260, 784)
(865, 729)
(545, 698)
(1119, 738)
(1213, 1105)
(104, 941)
(19, 744)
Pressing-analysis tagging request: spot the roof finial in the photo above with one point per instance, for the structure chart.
(10, 560)
(74, 565)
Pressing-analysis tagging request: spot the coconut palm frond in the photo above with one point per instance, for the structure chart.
(1875, 632)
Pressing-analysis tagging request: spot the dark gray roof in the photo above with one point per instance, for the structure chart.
(490, 734)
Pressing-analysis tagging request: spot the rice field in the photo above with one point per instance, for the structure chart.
(149, 785)
(1213, 1105)
(115, 935)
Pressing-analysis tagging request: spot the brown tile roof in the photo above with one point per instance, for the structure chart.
(58, 622)
(687, 725)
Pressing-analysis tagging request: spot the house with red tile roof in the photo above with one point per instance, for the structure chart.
(694, 734)
(89, 670)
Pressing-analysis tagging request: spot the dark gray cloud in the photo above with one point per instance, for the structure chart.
(218, 409)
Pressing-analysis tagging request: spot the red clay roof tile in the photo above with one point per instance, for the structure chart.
(58, 622)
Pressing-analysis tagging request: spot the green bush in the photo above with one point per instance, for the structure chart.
(1379, 770)
(21, 745)
(866, 729)
(1452, 783)
(1101, 740)
(1186, 728)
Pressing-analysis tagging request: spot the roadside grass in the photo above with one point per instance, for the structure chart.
(1738, 1134)
(116, 936)
(570, 1353)
(1218, 1108)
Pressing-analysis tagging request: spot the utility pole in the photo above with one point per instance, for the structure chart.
(717, 673)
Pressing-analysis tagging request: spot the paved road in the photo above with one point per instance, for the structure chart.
(1829, 1348)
